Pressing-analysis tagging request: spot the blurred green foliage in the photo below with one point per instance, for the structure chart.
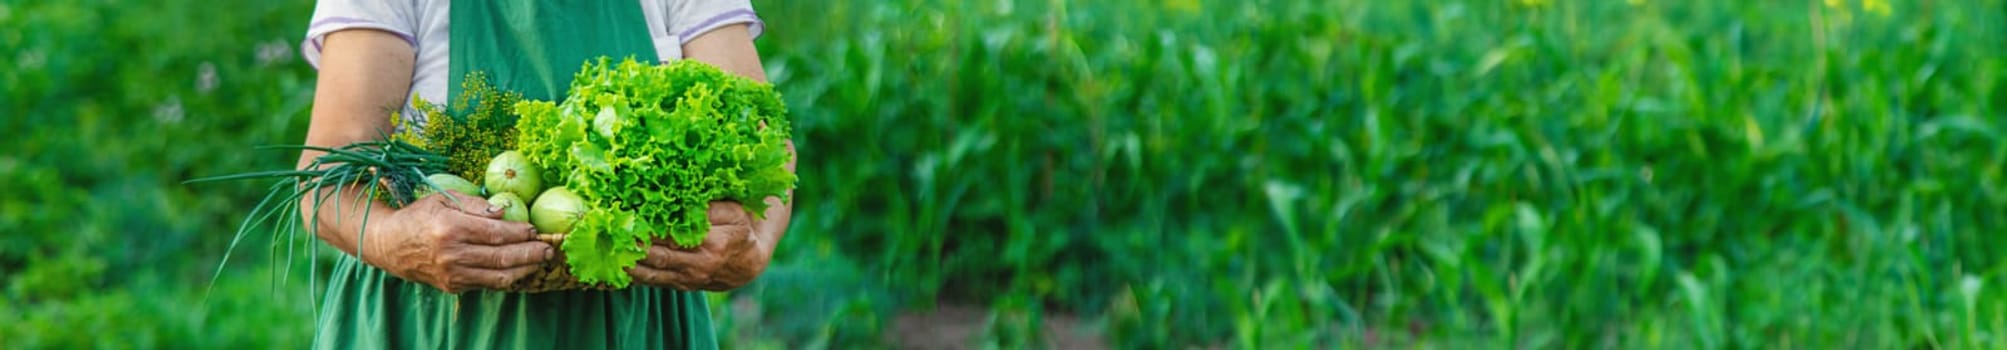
(1271, 173)
(109, 105)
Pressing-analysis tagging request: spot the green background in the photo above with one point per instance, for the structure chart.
(1282, 173)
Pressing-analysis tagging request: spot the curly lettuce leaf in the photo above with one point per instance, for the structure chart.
(603, 244)
(656, 144)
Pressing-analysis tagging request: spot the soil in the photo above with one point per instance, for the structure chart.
(954, 326)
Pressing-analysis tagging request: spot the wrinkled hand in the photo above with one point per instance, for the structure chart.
(730, 256)
(455, 245)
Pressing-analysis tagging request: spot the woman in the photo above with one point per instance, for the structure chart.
(428, 271)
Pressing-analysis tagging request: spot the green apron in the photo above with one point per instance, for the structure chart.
(533, 47)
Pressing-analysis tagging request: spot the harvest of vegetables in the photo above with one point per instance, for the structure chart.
(648, 148)
(634, 154)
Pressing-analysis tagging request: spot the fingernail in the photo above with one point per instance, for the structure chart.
(494, 209)
(550, 252)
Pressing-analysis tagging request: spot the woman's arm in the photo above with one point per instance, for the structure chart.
(730, 48)
(365, 75)
(738, 248)
(450, 244)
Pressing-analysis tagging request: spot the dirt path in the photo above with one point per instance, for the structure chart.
(957, 326)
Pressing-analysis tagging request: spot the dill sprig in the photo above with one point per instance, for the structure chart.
(480, 124)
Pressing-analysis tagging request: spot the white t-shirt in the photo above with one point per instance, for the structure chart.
(423, 23)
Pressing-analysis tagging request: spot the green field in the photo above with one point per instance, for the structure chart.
(1151, 174)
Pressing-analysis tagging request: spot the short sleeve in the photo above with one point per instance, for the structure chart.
(690, 18)
(396, 17)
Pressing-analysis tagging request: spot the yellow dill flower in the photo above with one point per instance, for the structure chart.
(1879, 7)
(479, 125)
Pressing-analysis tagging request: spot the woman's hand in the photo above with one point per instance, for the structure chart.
(731, 255)
(456, 244)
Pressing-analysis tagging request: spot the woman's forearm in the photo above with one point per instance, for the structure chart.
(365, 74)
(340, 220)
